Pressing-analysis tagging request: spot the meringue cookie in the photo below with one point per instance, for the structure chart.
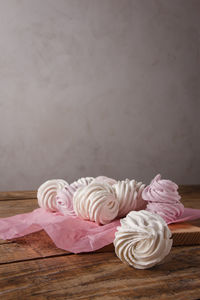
(96, 202)
(129, 194)
(64, 200)
(163, 198)
(47, 192)
(105, 179)
(169, 212)
(141, 204)
(161, 190)
(142, 240)
(81, 182)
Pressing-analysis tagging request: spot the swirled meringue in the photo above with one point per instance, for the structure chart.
(140, 201)
(81, 182)
(64, 200)
(169, 212)
(142, 240)
(163, 190)
(105, 179)
(129, 194)
(163, 198)
(47, 192)
(96, 202)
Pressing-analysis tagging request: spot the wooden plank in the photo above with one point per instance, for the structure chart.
(190, 195)
(13, 207)
(192, 203)
(102, 276)
(192, 190)
(185, 234)
(35, 245)
(38, 244)
(18, 195)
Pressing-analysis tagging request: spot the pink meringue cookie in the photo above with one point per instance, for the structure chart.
(169, 212)
(161, 190)
(163, 198)
(64, 200)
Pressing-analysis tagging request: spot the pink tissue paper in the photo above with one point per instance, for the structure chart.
(69, 232)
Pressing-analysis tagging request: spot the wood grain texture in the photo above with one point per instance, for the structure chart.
(21, 206)
(38, 244)
(190, 195)
(99, 276)
(185, 234)
(33, 268)
(35, 245)
(18, 195)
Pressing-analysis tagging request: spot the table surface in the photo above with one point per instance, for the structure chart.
(33, 268)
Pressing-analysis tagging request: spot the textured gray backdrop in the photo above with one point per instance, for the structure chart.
(99, 87)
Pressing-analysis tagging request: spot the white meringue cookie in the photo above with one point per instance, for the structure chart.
(83, 181)
(129, 194)
(105, 179)
(141, 203)
(47, 192)
(64, 199)
(96, 202)
(142, 240)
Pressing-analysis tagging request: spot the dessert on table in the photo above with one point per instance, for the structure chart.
(143, 238)
(91, 213)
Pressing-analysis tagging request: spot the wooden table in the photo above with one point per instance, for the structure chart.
(33, 268)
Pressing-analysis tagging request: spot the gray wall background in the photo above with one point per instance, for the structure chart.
(99, 87)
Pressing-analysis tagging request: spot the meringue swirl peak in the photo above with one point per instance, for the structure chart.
(129, 194)
(47, 193)
(96, 202)
(163, 198)
(143, 239)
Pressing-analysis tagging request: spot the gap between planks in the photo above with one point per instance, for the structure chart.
(35, 258)
(78, 278)
(65, 253)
